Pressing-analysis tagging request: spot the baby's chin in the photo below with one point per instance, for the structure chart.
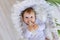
(26, 23)
(29, 23)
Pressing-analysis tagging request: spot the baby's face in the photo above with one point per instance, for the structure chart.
(29, 17)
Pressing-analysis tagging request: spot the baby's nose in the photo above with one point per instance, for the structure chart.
(29, 19)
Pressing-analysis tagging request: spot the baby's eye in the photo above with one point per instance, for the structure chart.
(26, 17)
(31, 16)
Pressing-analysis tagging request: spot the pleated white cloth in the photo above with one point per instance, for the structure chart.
(41, 7)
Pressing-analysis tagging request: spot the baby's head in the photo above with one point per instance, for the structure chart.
(28, 15)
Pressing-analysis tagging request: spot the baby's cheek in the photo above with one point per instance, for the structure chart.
(33, 20)
(25, 20)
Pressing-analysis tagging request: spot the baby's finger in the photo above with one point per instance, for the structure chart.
(30, 23)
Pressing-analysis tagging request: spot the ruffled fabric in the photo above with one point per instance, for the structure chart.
(40, 6)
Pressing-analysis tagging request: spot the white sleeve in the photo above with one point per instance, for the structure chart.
(42, 26)
(27, 34)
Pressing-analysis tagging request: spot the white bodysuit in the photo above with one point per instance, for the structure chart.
(36, 35)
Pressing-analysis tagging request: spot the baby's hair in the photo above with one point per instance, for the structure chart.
(28, 10)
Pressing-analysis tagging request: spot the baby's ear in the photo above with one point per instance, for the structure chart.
(20, 17)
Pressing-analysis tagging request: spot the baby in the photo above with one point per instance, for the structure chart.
(33, 27)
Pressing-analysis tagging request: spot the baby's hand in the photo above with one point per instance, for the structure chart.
(32, 26)
(35, 26)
